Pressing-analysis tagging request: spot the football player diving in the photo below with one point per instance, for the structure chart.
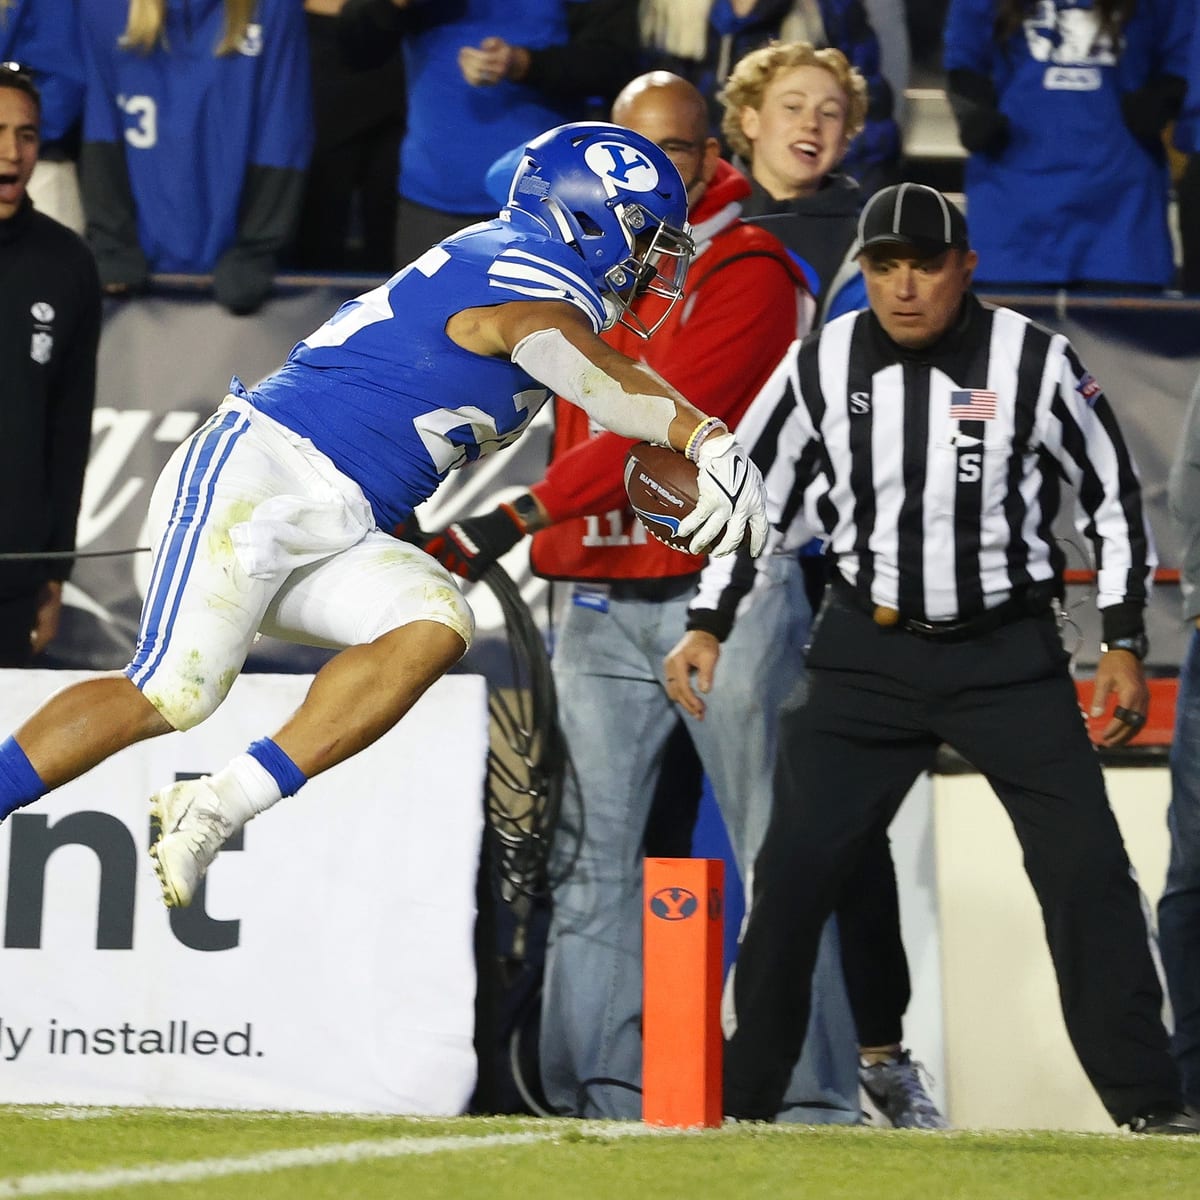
(273, 517)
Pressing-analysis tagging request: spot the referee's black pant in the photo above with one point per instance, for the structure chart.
(880, 702)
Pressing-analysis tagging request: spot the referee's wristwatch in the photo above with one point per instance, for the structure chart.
(1138, 645)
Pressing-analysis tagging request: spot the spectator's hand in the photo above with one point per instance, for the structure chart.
(732, 497)
(983, 130)
(982, 127)
(1119, 674)
(1148, 109)
(242, 279)
(469, 547)
(695, 653)
(45, 622)
(492, 61)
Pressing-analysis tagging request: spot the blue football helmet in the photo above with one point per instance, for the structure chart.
(617, 198)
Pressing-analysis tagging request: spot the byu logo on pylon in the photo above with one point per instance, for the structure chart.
(674, 904)
(625, 166)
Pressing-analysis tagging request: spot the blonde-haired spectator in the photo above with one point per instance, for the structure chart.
(754, 74)
(704, 40)
(791, 112)
(146, 25)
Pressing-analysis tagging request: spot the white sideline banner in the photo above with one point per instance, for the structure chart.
(328, 963)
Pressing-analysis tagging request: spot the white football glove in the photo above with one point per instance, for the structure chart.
(732, 496)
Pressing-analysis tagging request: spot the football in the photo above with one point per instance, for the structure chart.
(663, 487)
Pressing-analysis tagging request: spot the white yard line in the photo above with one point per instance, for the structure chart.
(75, 1182)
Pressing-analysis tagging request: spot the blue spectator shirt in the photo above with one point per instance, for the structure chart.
(1074, 196)
(456, 131)
(192, 123)
(44, 36)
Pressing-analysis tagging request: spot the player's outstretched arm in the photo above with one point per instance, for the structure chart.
(555, 343)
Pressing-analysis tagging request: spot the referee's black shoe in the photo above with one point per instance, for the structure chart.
(1173, 1122)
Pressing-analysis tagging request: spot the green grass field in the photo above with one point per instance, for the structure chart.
(191, 1155)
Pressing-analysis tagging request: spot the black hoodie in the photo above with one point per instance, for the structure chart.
(49, 332)
(820, 229)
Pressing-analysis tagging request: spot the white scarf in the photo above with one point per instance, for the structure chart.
(680, 27)
(675, 27)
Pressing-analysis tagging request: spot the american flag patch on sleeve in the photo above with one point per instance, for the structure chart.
(973, 405)
(1089, 388)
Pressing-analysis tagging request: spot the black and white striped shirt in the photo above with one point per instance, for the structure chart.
(936, 475)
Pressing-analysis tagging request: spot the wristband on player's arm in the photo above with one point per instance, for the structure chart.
(700, 434)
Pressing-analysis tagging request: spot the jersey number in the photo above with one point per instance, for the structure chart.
(367, 309)
(433, 428)
(144, 132)
(615, 534)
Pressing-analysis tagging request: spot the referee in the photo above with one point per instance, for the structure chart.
(930, 437)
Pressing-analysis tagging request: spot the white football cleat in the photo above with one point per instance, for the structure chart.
(191, 829)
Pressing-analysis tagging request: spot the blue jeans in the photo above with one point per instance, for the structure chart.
(1179, 908)
(617, 718)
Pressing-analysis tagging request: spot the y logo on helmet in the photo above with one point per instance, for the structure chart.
(625, 166)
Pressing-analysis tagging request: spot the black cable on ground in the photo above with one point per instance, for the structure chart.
(527, 757)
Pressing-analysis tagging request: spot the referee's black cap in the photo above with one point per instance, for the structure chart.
(912, 214)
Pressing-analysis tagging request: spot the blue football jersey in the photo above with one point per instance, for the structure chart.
(382, 390)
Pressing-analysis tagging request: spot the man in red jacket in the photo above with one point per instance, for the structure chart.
(744, 302)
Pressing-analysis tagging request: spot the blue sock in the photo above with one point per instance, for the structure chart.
(277, 764)
(20, 784)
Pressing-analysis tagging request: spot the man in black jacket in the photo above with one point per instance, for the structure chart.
(49, 331)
